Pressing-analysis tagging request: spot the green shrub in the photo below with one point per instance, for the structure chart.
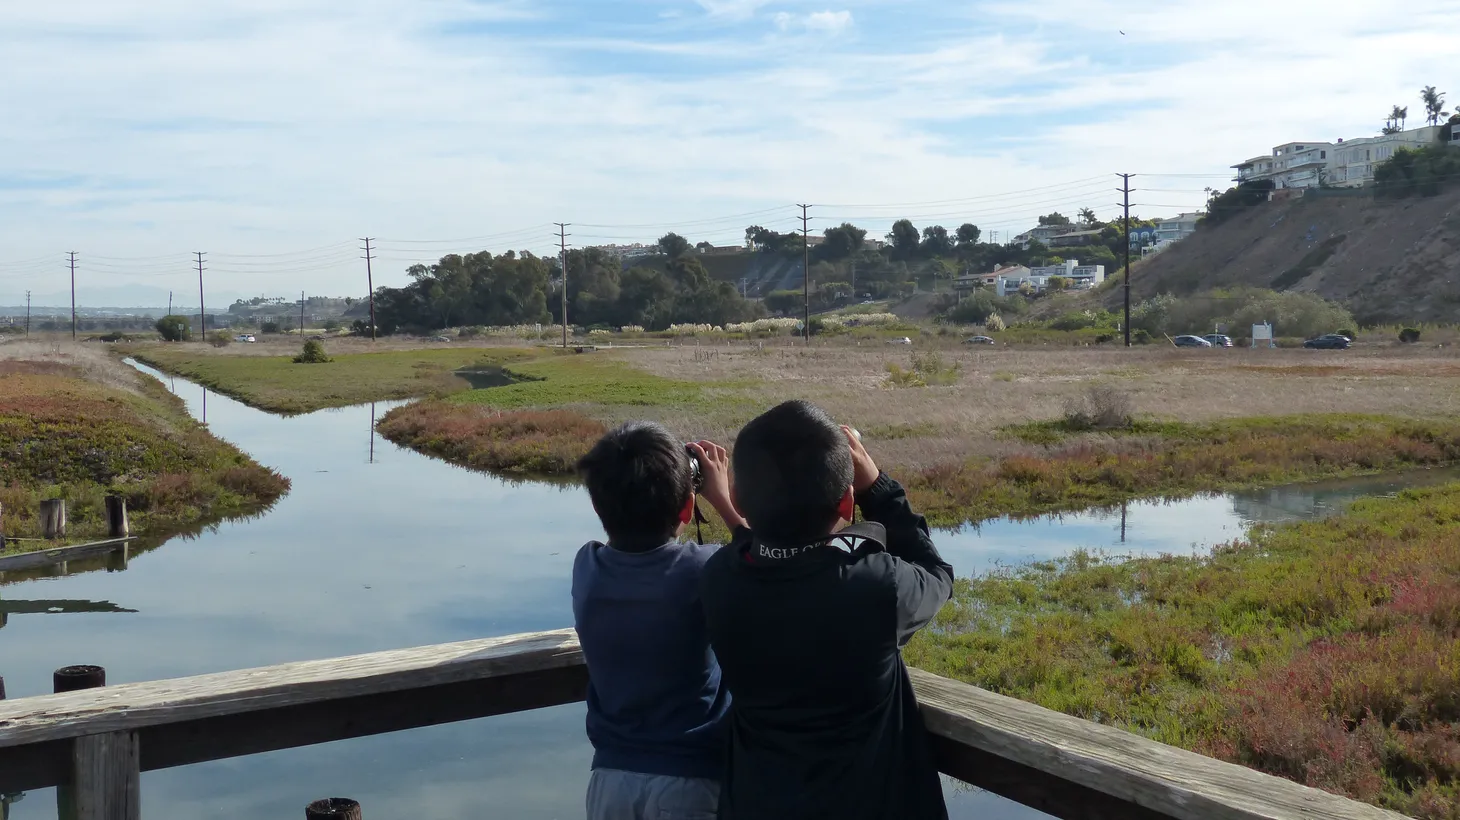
(1409, 335)
(174, 328)
(220, 338)
(313, 353)
(270, 326)
(1140, 337)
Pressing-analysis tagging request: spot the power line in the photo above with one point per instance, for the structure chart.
(72, 262)
(563, 251)
(1125, 189)
(370, 283)
(202, 308)
(806, 270)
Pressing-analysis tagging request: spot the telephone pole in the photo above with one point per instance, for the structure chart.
(27, 313)
(370, 283)
(1125, 189)
(169, 303)
(202, 310)
(806, 270)
(563, 260)
(72, 261)
(301, 313)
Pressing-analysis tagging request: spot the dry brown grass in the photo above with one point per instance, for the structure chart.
(90, 361)
(999, 387)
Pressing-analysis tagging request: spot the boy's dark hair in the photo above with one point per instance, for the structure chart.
(792, 468)
(638, 477)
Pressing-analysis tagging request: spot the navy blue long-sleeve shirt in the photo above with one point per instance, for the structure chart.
(655, 701)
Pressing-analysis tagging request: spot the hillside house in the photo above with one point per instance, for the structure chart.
(1345, 164)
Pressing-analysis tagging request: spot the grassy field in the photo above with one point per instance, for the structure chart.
(265, 376)
(1326, 652)
(77, 424)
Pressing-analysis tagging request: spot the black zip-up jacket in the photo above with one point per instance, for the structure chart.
(823, 720)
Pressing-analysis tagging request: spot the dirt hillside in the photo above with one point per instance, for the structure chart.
(1390, 261)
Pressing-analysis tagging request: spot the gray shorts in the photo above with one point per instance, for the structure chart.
(617, 795)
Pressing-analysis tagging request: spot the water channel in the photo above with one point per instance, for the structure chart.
(377, 547)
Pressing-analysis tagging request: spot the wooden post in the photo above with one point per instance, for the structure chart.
(76, 678)
(106, 769)
(333, 808)
(53, 519)
(2, 527)
(116, 561)
(116, 517)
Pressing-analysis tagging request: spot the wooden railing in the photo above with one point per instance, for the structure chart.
(95, 743)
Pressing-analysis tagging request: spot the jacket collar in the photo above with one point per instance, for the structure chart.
(862, 538)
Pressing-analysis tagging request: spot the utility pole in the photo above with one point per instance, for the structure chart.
(854, 279)
(27, 313)
(806, 270)
(72, 262)
(563, 260)
(370, 283)
(1125, 189)
(301, 313)
(202, 310)
(169, 303)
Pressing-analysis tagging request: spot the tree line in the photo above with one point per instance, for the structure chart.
(520, 288)
(516, 288)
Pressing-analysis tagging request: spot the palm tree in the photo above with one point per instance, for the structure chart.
(1087, 216)
(1434, 104)
(1403, 115)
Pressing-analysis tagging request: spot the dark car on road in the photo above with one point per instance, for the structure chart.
(1218, 340)
(1190, 341)
(1331, 341)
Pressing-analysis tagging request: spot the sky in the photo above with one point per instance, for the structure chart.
(272, 134)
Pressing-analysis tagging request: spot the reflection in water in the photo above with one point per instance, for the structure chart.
(1192, 525)
(411, 552)
(53, 607)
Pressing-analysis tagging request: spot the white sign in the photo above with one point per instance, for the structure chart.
(1262, 333)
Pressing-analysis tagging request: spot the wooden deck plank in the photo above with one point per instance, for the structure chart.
(60, 555)
(134, 706)
(1060, 764)
(1169, 781)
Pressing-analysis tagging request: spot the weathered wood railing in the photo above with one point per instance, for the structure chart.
(96, 742)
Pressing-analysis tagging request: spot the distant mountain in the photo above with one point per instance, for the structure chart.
(120, 296)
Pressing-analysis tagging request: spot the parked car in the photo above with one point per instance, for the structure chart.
(441, 339)
(1218, 340)
(246, 338)
(1330, 341)
(979, 340)
(901, 340)
(1190, 341)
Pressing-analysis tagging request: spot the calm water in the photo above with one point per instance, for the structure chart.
(379, 548)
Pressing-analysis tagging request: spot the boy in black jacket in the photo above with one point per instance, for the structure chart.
(824, 723)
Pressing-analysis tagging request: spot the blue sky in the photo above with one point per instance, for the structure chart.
(272, 133)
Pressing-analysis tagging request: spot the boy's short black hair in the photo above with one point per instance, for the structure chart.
(792, 467)
(638, 477)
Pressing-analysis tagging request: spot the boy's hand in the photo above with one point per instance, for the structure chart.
(864, 469)
(715, 463)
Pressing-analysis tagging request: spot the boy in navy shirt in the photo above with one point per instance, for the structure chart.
(656, 706)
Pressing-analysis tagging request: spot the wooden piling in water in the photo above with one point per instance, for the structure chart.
(76, 678)
(333, 808)
(2, 527)
(116, 517)
(53, 519)
(106, 769)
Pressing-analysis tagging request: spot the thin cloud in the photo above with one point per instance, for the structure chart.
(262, 126)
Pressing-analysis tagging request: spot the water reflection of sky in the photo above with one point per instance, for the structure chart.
(364, 556)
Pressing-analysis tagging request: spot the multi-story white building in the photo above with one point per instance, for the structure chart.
(1292, 165)
(1346, 164)
(1354, 160)
(1176, 228)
